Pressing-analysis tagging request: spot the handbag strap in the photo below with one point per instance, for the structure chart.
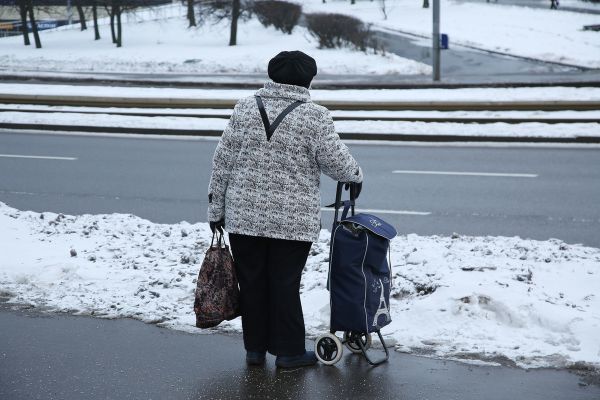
(270, 128)
(220, 239)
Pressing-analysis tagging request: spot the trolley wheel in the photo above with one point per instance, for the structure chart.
(351, 340)
(328, 349)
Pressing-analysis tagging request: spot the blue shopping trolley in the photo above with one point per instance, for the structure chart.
(359, 282)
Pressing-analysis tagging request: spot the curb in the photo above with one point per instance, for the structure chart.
(159, 102)
(323, 85)
(348, 136)
(459, 120)
(316, 84)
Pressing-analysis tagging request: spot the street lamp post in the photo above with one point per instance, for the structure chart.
(436, 40)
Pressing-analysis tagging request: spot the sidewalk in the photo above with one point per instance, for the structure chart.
(56, 356)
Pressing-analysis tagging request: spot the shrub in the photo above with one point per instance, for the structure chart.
(281, 14)
(338, 30)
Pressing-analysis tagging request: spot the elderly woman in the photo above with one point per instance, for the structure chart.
(264, 190)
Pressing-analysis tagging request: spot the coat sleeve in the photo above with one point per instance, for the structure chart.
(333, 156)
(223, 160)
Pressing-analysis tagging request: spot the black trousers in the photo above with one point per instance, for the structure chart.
(269, 271)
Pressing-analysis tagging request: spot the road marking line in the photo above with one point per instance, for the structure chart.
(466, 173)
(38, 157)
(10, 192)
(372, 210)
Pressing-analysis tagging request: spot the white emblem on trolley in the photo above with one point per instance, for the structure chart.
(374, 222)
(383, 308)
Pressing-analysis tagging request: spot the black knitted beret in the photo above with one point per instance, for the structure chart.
(292, 68)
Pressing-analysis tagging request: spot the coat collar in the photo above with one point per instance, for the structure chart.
(273, 89)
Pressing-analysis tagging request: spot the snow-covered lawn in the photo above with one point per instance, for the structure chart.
(531, 32)
(498, 129)
(534, 303)
(160, 42)
(554, 93)
(372, 115)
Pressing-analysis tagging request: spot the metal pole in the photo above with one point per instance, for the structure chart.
(436, 40)
(70, 12)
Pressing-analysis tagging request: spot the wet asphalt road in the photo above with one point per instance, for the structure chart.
(66, 357)
(166, 181)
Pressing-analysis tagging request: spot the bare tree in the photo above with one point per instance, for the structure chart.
(115, 9)
(22, 6)
(118, 13)
(108, 6)
(233, 10)
(235, 15)
(425, 3)
(383, 8)
(27, 11)
(95, 17)
(81, 15)
(191, 15)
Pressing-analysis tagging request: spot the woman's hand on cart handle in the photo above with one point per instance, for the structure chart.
(355, 189)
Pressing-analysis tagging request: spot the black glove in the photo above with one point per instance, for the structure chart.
(355, 187)
(217, 225)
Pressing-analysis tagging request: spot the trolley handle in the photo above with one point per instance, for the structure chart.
(338, 199)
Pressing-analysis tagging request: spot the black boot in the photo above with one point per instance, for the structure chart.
(304, 360)
(255, 357)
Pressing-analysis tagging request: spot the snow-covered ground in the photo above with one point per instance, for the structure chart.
(225, 113)
(498, 129)
(487, 95)
(554, 93)
(497, 299)
(158, 41)
(543, 34)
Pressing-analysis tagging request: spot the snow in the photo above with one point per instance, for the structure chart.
(194, 124)
(160, 42)
(362, 114)
(534, 303)
(419, 96)
(542, 34)
(490, 95)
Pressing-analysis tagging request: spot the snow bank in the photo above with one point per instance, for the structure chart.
(161, 43)
(543, 34)
(498, 299)
(553, 93)
(373, 115)
(194, 124)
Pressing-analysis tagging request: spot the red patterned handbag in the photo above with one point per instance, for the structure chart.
(217, 292)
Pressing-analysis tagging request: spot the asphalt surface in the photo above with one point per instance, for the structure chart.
(166, 181)
(459, 62)
(543, 4)
(66, 357)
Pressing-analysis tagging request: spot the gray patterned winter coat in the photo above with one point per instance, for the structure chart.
(270, 188)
